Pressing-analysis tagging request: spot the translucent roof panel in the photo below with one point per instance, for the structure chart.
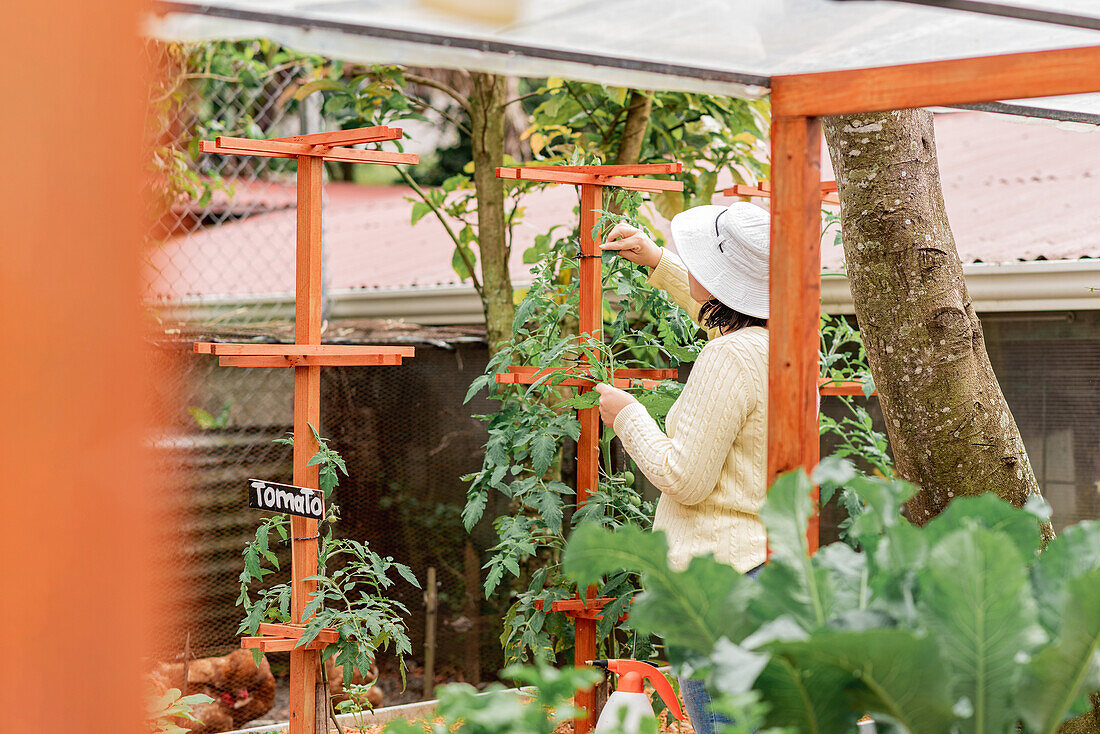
(718, 46)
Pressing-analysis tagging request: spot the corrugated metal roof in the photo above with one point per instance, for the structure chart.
(1014, 191)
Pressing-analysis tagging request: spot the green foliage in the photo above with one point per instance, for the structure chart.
(352, 581)
(843, 358)
(643, 327)
(208, 422)
(168, 708)
(357, 703)
(708, 134)
(960, 626)
(538, 709)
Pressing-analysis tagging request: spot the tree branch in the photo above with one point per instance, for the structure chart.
(442, 220)
(445, 88)
(521, 98)
(591, 113)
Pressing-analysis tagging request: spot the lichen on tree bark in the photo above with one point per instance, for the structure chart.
(487, 117)
(950, 429)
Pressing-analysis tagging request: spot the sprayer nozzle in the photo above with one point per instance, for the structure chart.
(597, 663)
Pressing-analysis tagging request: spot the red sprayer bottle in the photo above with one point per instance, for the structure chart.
(630, 697)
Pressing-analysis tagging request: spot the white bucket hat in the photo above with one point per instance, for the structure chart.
(726, 250)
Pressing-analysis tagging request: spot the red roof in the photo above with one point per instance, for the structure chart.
(1014, 191)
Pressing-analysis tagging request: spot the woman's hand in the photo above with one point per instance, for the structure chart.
(612, 400)
(633, 244)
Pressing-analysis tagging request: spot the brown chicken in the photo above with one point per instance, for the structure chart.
(242, 691)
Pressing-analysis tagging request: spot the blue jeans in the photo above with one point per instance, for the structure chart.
(697, 700)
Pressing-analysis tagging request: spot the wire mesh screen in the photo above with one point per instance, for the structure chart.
(407, 439)
(1048, 366)
(204, 261)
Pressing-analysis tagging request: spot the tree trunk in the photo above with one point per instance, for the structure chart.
(637, 120)
(950, 428)
(487, 113)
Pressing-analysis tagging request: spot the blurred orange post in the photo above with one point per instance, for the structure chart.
(75, 509)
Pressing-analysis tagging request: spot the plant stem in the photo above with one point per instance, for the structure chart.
(446, 225)
(328, 698)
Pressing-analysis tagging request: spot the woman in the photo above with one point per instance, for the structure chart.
(711, 465)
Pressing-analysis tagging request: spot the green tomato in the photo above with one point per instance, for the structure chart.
(628, 477)
(635, 500)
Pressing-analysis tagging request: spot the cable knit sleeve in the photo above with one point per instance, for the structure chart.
(671, 276)
(686, 463)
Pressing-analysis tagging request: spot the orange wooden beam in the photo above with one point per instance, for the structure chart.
(312, 360)
(957, 81)
(276, 149)
(223, 349)
(654, 373)
(355, 136)
(308, 299)
(508, 378)
(331, 354)
(551, 174)
(641, 169)
(273, 629)
(764, 189)
(829, 386)
(281, 644)
(795, 288)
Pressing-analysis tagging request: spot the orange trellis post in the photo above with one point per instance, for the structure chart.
(307, 355)
(592, 181)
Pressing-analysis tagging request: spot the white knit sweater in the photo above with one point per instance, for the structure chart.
(711, 466)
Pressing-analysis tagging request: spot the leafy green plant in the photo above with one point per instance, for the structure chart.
(357, 704)
(959, 626)
(208, 422)
(167, 709)
(709, 135)
(351, 579)
(539, 709)
(843, 358)
(643, 327)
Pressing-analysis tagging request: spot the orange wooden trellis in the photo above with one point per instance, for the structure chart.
(307, 355)
(592, 181)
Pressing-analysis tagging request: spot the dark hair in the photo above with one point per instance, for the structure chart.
(716, 315)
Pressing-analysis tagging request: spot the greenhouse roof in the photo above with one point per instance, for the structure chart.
(731, 47)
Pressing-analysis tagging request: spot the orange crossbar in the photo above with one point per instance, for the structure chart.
(641, 169)
(295, 631)
(624, 378)
(553, 174)
(312, 360)
(764, 189)
(346, 137)
(829, 386)
(277, 149)
(510, 378)
(653, 373)
(1049, 73)
(223, 349)
(279, 644)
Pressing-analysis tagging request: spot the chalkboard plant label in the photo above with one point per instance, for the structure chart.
(300, 501)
